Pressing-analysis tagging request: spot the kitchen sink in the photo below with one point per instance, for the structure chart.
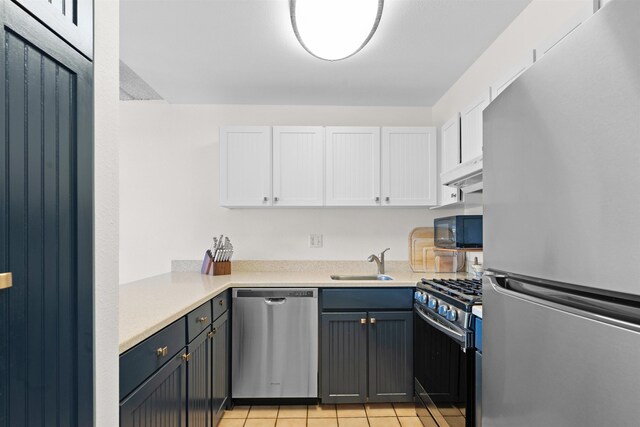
(361, 277)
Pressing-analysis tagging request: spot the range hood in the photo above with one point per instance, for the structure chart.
(466, 176)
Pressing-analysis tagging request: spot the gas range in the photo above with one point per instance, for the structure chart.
(449, 302)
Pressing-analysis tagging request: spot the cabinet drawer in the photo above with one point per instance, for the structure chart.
(220, 304)
(144, 359)
(367, 299)
(198, 320)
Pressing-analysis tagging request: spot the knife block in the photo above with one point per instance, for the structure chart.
(221, 268)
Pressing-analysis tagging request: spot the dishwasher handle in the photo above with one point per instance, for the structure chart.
(275, 301)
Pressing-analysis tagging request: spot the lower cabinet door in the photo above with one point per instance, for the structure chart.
(220, 366)
(344, 357)
(390, 356)
(199, 380)
(160, 400)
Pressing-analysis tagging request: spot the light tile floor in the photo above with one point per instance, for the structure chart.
(370, 415)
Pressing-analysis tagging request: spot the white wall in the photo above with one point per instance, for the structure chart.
(169, 190)
(106, 212)
(537, 22)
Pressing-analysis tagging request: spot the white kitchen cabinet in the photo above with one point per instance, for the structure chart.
(298, 166)
(510, 76)
(245, 166)
(352, 166)
(409, 166)
(471, 127)
(585, 11)
(449, 157)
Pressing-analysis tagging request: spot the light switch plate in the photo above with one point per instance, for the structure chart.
(315, 241)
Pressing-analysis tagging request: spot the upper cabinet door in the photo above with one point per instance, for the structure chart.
(509, 77)
(449, 157)
(71, 20)
(298, 166)
(245, 166)
(409, 166)
(471, 127)
(353, 166)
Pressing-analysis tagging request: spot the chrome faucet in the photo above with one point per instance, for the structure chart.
(379, 259)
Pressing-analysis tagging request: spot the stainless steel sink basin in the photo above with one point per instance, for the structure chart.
(361, 277)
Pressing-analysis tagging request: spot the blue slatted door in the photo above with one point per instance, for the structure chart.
(220, 368)
(391, 356)
(344, 358)
(46, 367)
(199, 380)
(161, 400)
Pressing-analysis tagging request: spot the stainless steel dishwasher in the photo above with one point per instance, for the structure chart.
(275, 343)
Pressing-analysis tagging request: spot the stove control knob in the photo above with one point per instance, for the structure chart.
(423, 298)
(433, 303)
(442, 310)
(452, 315)
(416, 296)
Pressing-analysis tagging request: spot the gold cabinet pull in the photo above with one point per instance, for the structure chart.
(162, 352)
(373, 320)
(221, 302)
(210, 334)
(203, 319)
(6, 280)
(186, 357)
(363, 321)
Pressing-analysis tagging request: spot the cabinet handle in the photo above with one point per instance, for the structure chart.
(203, 319)
(363, 321)
(210, 334)
(214, 331)
(386, 199)
(373, 320)
(162, 352)
(265, 199)
(221, 302)
(186, 357)
(377, 199)
(275, 199)
(453, 195)
(6, 280)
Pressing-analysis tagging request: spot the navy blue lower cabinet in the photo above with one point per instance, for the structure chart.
(220, 345)
(161, 400)
(343, 357)
(199, 380)
(391, 356)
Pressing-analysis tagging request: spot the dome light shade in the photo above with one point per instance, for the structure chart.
(335, 29)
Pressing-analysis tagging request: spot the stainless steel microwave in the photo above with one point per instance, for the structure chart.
(460, 231)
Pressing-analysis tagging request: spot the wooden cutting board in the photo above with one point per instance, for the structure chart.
(421, 244)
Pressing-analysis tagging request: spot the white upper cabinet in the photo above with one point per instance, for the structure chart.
(449, 157)
(471, 128)
(409, 166)
(298, 166)
(586, 10)
(245, 166)
(509, 77)
(352, 166)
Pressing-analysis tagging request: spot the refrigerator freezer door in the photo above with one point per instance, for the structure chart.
(561, 160)
(543, 366)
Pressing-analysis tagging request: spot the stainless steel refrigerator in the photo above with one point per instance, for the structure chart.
(561, 344)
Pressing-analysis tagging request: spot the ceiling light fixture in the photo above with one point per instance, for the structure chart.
(334, 29)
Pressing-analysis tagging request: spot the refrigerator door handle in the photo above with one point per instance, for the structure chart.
(603, 310)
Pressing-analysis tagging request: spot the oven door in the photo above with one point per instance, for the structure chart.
(444, 371)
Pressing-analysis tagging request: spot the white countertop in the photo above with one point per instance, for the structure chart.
(476, 310)
(148, 305)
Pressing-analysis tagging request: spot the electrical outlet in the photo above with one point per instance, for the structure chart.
(315, 241)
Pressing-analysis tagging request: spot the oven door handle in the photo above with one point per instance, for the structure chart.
(459, 337)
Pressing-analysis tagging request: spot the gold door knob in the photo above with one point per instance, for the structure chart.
(6, 280)
(373, 320)
(363, 321)
(221, 302)
(186, 357)
(203, 319)
(162, 351)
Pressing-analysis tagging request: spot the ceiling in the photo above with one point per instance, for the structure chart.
(245, 52)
